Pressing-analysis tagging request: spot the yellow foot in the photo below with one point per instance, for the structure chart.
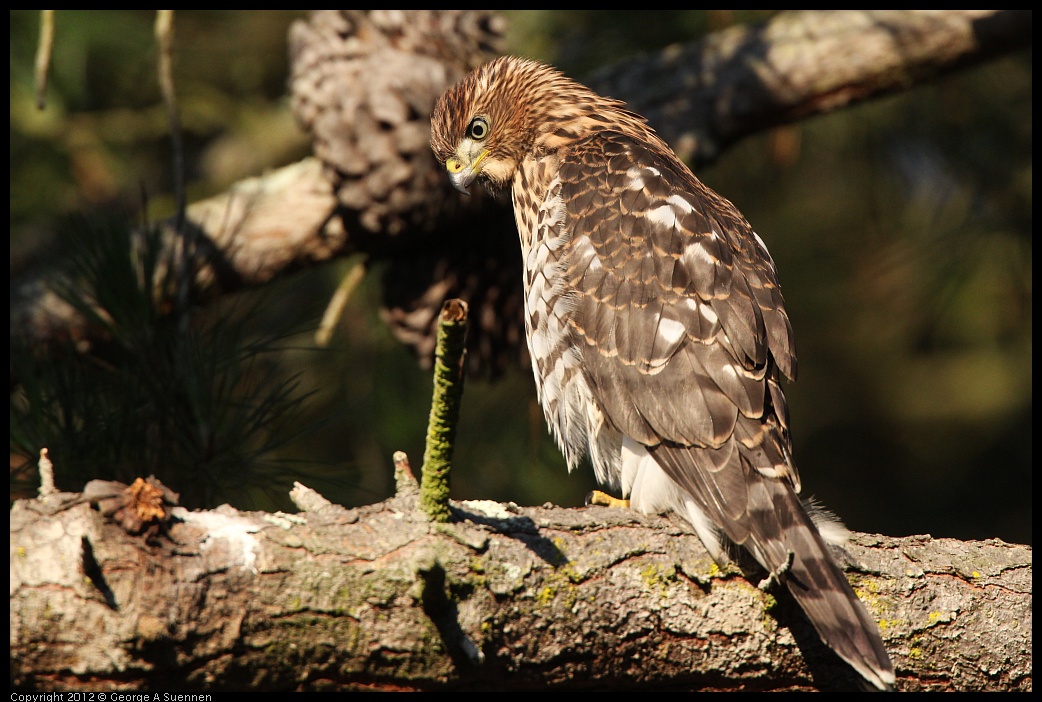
(602, 498)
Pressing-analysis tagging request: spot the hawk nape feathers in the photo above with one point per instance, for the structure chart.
(656, 327)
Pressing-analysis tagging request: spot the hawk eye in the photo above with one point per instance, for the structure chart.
(478, 129)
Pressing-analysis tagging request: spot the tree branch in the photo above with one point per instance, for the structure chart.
(704, 96)
(379, 597)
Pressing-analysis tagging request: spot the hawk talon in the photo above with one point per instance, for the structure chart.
(596, 497)
(777, 577)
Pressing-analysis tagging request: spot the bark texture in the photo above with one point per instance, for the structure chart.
(704, 96)
(502, 597)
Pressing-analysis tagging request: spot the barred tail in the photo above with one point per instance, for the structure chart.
(818, 585)
(763, 514)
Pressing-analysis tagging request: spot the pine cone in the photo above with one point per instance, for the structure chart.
(364, 84)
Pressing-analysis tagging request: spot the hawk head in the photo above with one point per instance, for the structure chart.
(511, 107)
(478, 130)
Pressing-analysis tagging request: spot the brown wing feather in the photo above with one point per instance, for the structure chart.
(680, 315)
(684, 334)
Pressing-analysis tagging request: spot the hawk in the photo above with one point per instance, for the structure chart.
(655, 324)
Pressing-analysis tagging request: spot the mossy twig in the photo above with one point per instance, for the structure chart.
(449, 359)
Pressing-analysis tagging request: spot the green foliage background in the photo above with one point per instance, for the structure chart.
(901, 229)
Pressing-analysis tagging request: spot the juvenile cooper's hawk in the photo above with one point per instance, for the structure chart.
(656, 326)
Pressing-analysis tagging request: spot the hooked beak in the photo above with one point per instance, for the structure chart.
(462, 174)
